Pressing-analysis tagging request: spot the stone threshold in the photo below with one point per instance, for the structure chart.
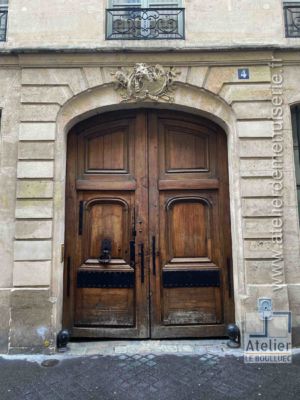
(179, 347)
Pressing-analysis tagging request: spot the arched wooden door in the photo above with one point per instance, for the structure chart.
(147, 247)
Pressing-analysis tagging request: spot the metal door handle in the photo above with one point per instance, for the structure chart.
(105, 251)
(141, 254)
(153, 255)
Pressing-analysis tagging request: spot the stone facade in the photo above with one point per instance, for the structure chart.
(43, 95)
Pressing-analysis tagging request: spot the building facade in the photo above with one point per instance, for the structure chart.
(149, 167)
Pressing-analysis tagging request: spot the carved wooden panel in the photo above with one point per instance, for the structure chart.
(107, 152)
(189, 230)
(105, 307)
(106, 218)
(192, 306)
(186, 151)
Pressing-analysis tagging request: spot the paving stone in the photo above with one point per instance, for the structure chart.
(149, 377)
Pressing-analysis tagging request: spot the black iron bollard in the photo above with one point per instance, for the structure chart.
(234, 334)
(63, 338)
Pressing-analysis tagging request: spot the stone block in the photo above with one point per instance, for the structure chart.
(33, 209)
(243, 92)
(93, 76)
(35, 169)
(256, 167)
(260, 249)
(182, 74)
(37, 131)
(253, 110)
(31, 250)
(106, 75)
(73, 77)
(4, 319)
(33, 273)
(255, 129)
(34, 189)
(292, 267)
(256, 148)
(33, 229)
(257, 207)
(45, 94)
(30, 319)
(291, 75)
(36, 151)
(258, 272)
(289, 192)
(256, 187)
(196, 76)
(39, 112)
(6, 251)
(257, 228)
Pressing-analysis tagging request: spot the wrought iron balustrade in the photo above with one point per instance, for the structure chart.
(3, 24)
(292, 19)
(144, 23)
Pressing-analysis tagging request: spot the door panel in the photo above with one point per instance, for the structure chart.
(188, 226)
(185, 152)
(192, 306)
(190, 295)
(106, 201)
(107, 218)
(147, 227)
(107, 152)
(105, 294)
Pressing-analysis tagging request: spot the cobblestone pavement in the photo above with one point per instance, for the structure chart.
(148, 376)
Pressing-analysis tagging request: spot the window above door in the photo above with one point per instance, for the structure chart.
(292, 18)
(144, 19)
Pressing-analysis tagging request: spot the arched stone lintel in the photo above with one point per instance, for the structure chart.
(194, 100)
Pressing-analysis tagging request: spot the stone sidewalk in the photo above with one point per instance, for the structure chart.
(186, 371)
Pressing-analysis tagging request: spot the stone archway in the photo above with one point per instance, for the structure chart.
(102, 99)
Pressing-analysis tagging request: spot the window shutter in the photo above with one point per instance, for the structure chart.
(164, 3)
(124, 3)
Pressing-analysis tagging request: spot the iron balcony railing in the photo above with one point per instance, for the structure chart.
(292, 19)
(3, 24)
(144, 23)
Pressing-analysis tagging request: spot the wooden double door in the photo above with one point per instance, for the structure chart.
(147, 246)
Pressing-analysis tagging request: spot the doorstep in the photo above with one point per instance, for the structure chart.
(179, 347)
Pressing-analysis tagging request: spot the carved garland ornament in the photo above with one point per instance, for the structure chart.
(144, 82)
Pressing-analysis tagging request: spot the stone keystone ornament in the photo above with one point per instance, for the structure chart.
(144, 82)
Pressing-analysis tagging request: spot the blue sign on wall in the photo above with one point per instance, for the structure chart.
(243, 73)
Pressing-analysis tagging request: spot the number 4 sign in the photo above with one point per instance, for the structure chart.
(243, 73)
